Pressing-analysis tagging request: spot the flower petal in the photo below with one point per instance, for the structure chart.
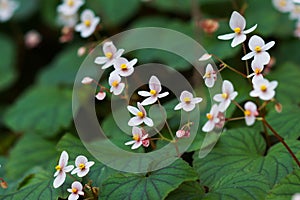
(237, 21)
(238, 39)
(250, 29)
(150, 100)
(148, 121)
(109, 47)
(68, 168)
(164, 94)
(178, 106)
(101, 60)
(136, 145)
(80, 159)
(208, 126)
(228, 36)
(250, 120)
(264, 57)
(133, 110)
(130, 142)
(144, 93)
(255, 41)
(135, 121)
(188, 106)
(154, 84)
(248, 56)
(268, 46)
(185, 94)
(63, 160)
(59, 180)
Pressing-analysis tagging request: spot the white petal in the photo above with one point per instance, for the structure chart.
(89, 164)
(233, 95)
(108, 64)
(141, 108)
(63, 160)
(132, 62)
(149, 101)
(119, 89)
(254, 93)
(109, 47)
(80, 159)
(208, 126)
(196, 100)
(59, 180)
(130, 142)
(227, 87)
(228, 36)
(209, 82)
(256, 41)
(248, 55)
(250, 29)
(144, 93)
(82, 173)
(113, 77)
(164, 94)
(73, 196)
(100, 95)
(68, 168)
(224, 105)
(237, 20)
(268, 46)
(263, 57)
(178, 106)
(185, 94)
(77, 185)
(204, 57)
(133, 110)
(238, 39)
(250, 120)
(135, 121)
(119, 53)
(87, 80)
(218, 98)
(273, 85)
(154, 84)
(101, 60)
(136, 145)
(188, 107)
(268, 95)
(148, 121)
(75, 171)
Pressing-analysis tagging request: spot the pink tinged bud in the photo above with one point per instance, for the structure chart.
(146, 143)
(204, 57)
(81, 51)
(209, 26)
(4, 184)
(100, 95)
(278, 107)
(32, 39)
(87, 80)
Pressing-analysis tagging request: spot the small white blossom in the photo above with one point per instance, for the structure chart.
(140, 116)
(250, 113)
(228, 94)
(69, 7)
(205, 57)
(75, 190)
(82, 166)
(237, 23)
(215, 119)
(139, 138)
(87, 80)
(110, 55)
(88, 23)
(100, 95)
(7, 9)
(115, 82)
(123, 67)
(154, 93)
(283, 5)
(62, 169)
(187, 101)
(257, 68)
(263, 89)
(258, 49)
(296, 196)
(210, 76)
(67, 20)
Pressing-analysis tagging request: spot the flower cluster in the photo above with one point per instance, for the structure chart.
(82, 168)
(293, 8)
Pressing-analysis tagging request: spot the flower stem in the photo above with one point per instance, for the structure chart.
(234, 119)
(282, 141)
(238, 105)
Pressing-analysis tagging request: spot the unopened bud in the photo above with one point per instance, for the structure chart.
(32, 39)
(81, 51)
(278, 107)
(87, 80)
(209, 25)
(204, 57)
(100, 95)
(3, 184)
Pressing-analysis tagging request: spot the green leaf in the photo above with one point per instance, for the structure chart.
(49, 13)
(41, 110)
(177, 6)
(26, 9)
(243, 150)
(286, 188)
(7, 71)
(190, 190)
(241, 185)
(30, 151)
(155, 185)
(63, 69)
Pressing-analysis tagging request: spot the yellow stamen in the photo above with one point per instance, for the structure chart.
(247, 112)
(224, 95)
(81, 166)
(140, 114)
(263, 88)
(257, 71)
(208, 75)
(108, 55)
(115, 83)
(74, 190)
(187, 99)
(257, 49)
(209, 116)
(123, 66)
(87, 22)
(70, 3)
(58, 167)
(136, 137)
(282, 3)
(153, 92)
(237, 30)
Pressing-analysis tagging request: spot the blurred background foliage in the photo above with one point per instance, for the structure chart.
(36, 91)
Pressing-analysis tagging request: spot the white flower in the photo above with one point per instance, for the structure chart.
(154, 94)
(100, 95)
(69, 7)
(82, 166)
(295, 12)
(7, 9)
(187, 101)
(215, 119)
(204, 57)
(138, 138)
(123, 67)
(140, 116)
(115, 83)
(210, 76)
(237, 23)
(283, 5)
(257, 68)
(263, 89)
(258, 47)
(75, 190)
(296, 196)
(250, 113)
(61, 170)
(228, 94)
(67, 20)
(111, 53)
(87, 80)
(88, 23)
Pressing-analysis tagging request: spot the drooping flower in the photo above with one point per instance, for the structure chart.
(257, 68)
(259, 50)
(250, 113)
(82, 166)
(210, 76)
(215, 119)
(62, 169)
(87, 80)
(7, 9)
(69, 7)
(123, 67)
(181, 133)
(237, 23)
(115, 82)
(263, 89)
(283, 5)
(154, 93)
(139, 138)
(228, 94)
(140, 116)
(75, 190)
(88, 23)
(100, 95)
(110, 54)
(187, 101)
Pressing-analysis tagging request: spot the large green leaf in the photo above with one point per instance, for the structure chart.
(63, 69)
(286, 188)
(155, 185)
(30, 151)
(42, 110)
(190, 190)
(243, 150)
(8, 54)
(26, 9)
